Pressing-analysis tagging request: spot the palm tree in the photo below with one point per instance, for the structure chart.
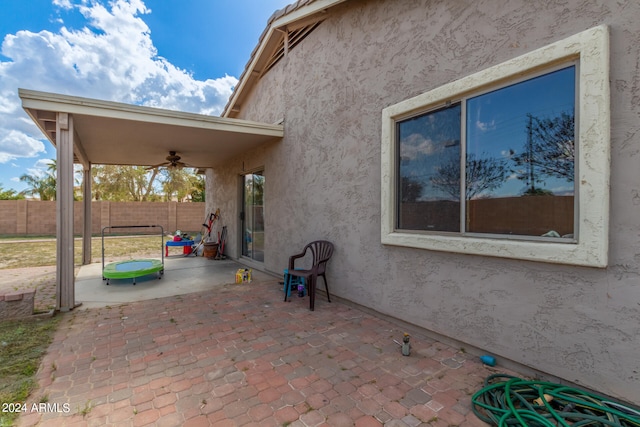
(43, 186)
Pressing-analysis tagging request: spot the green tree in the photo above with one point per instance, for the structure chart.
(140, 184)
(9, 194)
(180, 183)
(198, 188)
(43, 186)
(124, 183)
(254, 189)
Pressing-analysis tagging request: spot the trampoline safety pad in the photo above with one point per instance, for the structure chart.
(131, 269)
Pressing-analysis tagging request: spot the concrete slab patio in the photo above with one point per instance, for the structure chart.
(182, 275)
(237, 355)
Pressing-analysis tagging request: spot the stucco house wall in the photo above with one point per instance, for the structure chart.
(579, 324)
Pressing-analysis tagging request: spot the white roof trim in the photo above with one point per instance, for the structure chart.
(46, 101)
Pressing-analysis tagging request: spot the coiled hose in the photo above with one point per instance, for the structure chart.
(511, 401)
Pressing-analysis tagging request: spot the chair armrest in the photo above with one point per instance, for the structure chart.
(293, 258)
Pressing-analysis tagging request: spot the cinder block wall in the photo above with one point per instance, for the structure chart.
(187, 218)
(32, 217)
(139, 213)
(9, 215)
(41, 219)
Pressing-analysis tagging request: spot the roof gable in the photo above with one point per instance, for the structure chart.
(285, 29)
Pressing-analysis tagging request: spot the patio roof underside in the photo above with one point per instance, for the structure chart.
(122, 134)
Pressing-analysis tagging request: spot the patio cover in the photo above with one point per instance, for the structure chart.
(90, 131)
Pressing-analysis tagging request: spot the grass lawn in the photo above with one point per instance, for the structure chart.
(19, 254)
(22, 345)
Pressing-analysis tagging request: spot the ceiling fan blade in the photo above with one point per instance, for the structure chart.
(156, 166)
(173, 162)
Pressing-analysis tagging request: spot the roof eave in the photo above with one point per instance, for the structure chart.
(44, 101)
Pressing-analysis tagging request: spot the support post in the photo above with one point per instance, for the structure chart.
(87, 223)
(65, 277)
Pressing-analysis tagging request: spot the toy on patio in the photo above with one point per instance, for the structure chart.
(180, 239)
(133, 268)
(293, 283)
(488, 360)
(243, 275)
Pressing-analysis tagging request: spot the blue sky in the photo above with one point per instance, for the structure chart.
(178, 54)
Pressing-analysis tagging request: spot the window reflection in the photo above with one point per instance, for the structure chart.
(429, 169)
(520, 145)
(519, 148)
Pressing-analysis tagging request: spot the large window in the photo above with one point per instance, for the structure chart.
(512, 161)
(516, 155)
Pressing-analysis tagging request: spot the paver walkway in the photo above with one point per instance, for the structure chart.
(241, 356)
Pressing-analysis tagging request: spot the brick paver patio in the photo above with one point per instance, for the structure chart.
(240, 356)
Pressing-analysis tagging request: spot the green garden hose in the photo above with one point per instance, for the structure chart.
(511, 401)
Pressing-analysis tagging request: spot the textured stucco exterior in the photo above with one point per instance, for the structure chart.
(579, 324)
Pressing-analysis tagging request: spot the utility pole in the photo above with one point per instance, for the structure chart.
(530, 154)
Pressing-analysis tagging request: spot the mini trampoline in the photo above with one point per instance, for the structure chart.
(133, 268)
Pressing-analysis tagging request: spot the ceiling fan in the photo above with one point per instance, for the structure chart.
(173, 161)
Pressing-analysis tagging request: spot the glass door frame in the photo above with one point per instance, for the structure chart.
(252, 230)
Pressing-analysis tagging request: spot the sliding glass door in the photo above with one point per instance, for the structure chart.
(253, 216)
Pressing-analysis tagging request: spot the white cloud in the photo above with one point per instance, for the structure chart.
(40, 168)
(14, 144)
(486, 126)
(64, 4)
(112, 58)
(416, 145)
(43, 163)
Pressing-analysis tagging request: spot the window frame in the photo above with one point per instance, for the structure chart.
(590, 52)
